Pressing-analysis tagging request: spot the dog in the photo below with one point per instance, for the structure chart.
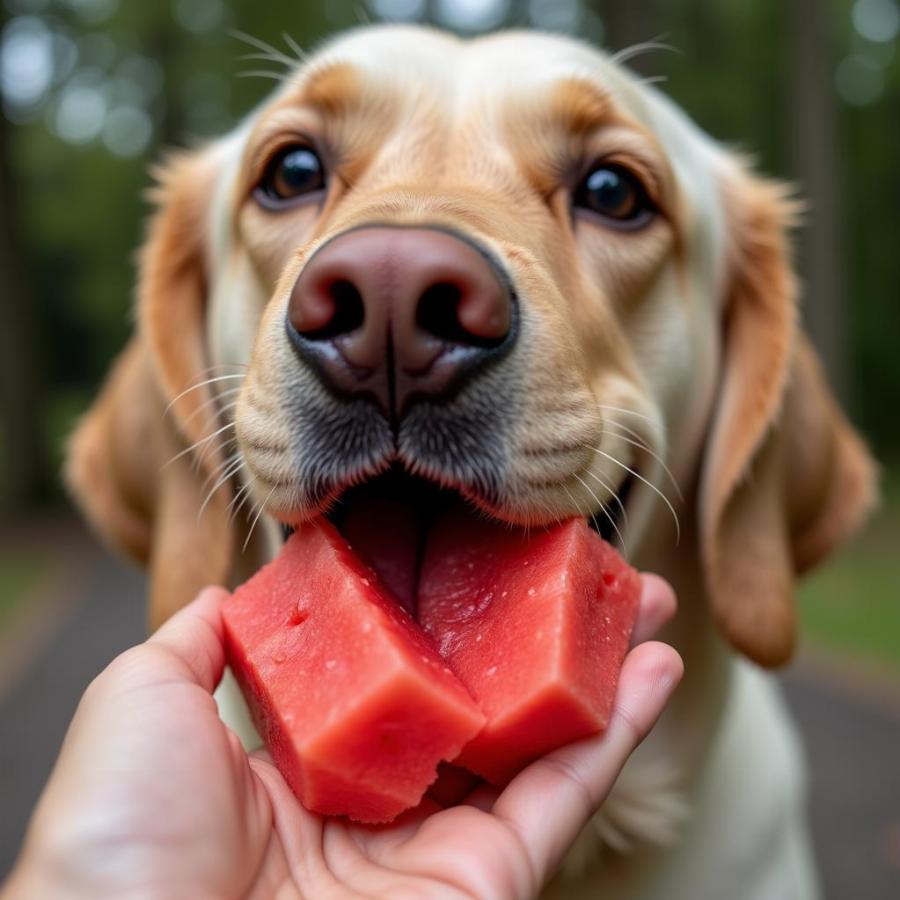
(507, 267)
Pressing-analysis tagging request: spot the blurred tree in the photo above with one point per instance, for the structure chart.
(814, 149)
(627, 24)
(23, 458)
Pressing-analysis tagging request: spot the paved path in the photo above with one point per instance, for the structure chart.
(854, 745)
(107, 616)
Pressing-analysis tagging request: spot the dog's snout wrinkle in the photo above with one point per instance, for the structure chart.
(399, 313)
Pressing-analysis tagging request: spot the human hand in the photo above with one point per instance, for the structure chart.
(153, 796)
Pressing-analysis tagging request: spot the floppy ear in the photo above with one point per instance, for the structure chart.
(785, 478)
(128, 463)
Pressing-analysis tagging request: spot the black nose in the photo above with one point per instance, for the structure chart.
(399, 313)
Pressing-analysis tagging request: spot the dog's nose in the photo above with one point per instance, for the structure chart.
(399, 312)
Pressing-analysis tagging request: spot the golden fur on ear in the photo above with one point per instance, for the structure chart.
(171, 307)
(112, 458)
(128, 464)
(784, 478)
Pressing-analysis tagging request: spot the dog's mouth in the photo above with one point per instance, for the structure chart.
(388, 519)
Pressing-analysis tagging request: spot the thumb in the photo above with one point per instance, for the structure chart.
(195, 635)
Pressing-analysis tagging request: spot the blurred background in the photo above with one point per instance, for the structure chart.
(92, 92)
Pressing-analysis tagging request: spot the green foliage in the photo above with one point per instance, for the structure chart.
(18, 577)
(852, 604)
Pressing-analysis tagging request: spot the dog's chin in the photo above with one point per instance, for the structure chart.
(388, 518)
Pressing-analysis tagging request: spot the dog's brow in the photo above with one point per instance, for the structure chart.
(579, 105)
(333, 89)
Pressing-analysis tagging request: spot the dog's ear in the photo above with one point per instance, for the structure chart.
(129, 463)
(785, 478)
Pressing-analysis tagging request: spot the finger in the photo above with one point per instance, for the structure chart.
(196, 636)
(483, 797)
(657, 606)
(299, 831)
(549, 802)
(263, 754)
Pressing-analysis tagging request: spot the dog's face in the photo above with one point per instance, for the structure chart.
(505, 267)
(572, 205)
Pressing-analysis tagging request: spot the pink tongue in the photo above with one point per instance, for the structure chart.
(387, 535)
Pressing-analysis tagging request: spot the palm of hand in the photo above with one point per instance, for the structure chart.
(152, 792)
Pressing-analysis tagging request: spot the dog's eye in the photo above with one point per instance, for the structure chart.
(294, 172)
(616, 194)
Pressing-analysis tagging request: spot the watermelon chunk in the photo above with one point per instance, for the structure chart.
(535, 625)
(352, 700)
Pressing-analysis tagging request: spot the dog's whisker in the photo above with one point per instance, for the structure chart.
(200, 443)
(237, 495)
(273, 54)
(200, 458)
(213, 400)
(217, 470)
(603, 509)
(363, 16)
(236, 465)
(649, 484)
(605, 422)
(259, 512)
(227, 446)
(294, 47)
(247, 496)
(613, 494)
(575, 503)
(222, 366)
(240, 497)
(264, 57)
(226, 463)
(626, 411)
(638, 439)
(640, 49)
(261, 73)
(196, 387)
(223, 445)
(655, 456)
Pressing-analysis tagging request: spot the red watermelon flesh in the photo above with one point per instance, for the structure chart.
(535, 625)
(350, 697)
(354, 702)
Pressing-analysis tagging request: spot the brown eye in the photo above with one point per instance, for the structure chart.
(294, 172)
(616, 194)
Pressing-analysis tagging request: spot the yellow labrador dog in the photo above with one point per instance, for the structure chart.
(507, 269)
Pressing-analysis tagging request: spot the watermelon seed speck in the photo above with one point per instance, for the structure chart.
(298, 616)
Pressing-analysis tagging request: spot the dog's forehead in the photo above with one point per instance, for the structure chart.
(479, 71)
(482, 74)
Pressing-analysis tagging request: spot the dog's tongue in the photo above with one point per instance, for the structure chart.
(388, 524)
(388, 535)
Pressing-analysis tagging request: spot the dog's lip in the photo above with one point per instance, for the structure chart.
(607, 524)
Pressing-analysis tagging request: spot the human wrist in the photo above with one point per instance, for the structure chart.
(34, 877)
(42, 873)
